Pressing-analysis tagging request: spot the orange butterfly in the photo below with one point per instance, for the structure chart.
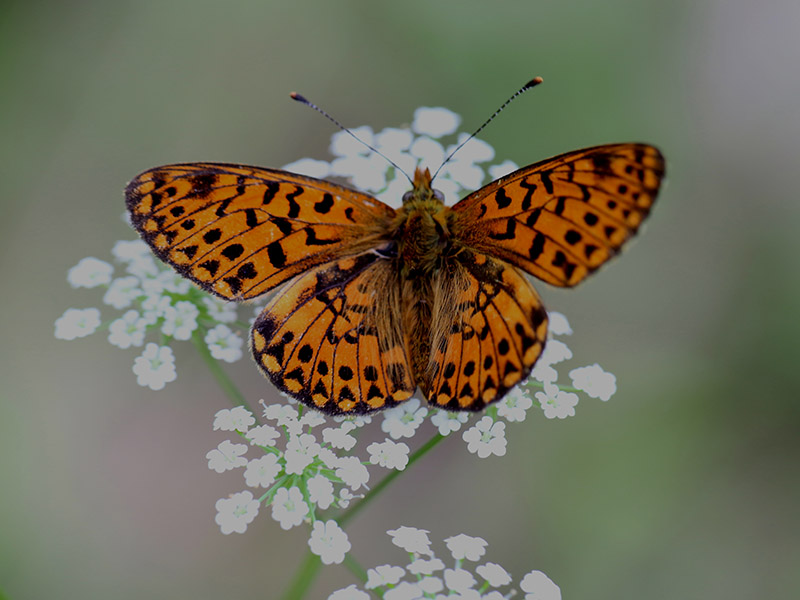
(372, 302)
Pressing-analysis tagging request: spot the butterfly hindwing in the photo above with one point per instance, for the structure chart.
(488, 329)
(562, 218)
(241, 231)
(332, 339)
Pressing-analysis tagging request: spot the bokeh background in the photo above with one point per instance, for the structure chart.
(684, 485)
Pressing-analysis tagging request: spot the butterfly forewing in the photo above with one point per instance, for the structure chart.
(240, 231)
(562, 218)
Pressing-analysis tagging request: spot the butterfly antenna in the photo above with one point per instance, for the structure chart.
(532, 83)
(303, 100)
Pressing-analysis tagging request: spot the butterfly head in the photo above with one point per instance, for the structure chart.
(422, 192)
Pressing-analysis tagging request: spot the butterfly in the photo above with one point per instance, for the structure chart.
(370, 303)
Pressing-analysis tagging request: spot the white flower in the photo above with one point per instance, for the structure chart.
(513, 406)
(366, 172)
(288, 507)
(339, 437)
(226, 456)
(458, 580)
(310, 167)
(122, 292)
(180, 320)
(403, 420)
(155, 367)
(328, 458)
(429, 152)
(544, 373)
(404, 591)
(421, 566)
(383, 575)
(329, 542)
(435, 122)
(555, 403)
(219, 310)
(465, 173)
(486, 438)
(284, 414)
(346, 496)
(494, 574)
(411, 540)
(349, 593)
(594, 381)
(558, 324)
(389, 454)
(236, 512)
(467, 547)
(263, 435)
(555, 352)
(475, 151)
(224, 344)
(262, 472)
(431, 585)
(144, 268)
(233, 419)
(300, 452)
(501, 170)
(539, 587)
(154, 306)
(76, 323)
(320, 490)
(129, 330)
(311, 418)
(130, 251)
(352, 472)
(449, 421)
(90, 272)
(344, 144)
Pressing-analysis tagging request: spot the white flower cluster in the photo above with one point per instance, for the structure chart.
(313, 472)
(427, 576)
(154, 299)
(420, 146)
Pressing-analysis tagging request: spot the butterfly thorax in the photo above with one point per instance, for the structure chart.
(421, 229)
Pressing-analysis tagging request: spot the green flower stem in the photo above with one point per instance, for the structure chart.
(225, 382)
(355, 567)
(303, 578)
(308, 571)
(351, 512)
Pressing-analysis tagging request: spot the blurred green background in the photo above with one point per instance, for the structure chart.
(684, 485)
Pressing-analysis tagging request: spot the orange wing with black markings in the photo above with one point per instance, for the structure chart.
(332, 337)
(562, 218)
(241, 231)
(489, 328)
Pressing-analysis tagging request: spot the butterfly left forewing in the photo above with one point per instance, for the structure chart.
(562, 218)
(240, 231)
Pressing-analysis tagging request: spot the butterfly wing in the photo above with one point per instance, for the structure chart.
(488, 329)
(241, 231)
(562, 218)
(331, 337)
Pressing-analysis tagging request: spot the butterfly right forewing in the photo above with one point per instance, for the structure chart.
(562, 218)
